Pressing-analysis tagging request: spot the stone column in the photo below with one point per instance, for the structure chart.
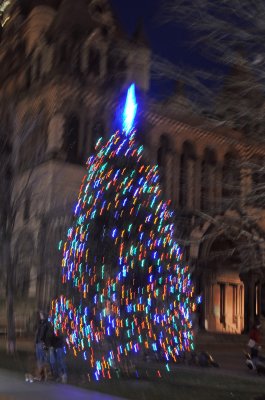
(249, 300)
(216, 305)
(258, 297)
(237, 315)
(207, 300)
(241, 307)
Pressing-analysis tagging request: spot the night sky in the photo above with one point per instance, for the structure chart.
(160, 36)
(169, 40)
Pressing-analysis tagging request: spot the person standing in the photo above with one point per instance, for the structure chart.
(51, 352)
(58, 343)
(40, 343)
(255, 339)
(56, 355)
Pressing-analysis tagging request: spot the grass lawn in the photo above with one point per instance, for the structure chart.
(182, 383)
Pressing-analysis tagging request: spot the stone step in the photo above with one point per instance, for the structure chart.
(207, 337)
(204, 339)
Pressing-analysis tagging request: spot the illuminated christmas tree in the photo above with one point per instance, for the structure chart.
(126, 289)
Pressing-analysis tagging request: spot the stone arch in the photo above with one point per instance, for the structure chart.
(229, 276)
(187, 175)
(219, 282)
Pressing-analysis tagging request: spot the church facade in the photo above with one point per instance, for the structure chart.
(64, 67)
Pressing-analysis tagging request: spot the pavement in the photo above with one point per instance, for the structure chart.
(13, 387)
(227, 350)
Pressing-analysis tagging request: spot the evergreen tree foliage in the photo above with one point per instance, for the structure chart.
(125, 289)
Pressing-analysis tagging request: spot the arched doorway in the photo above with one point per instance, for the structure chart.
(223, 290)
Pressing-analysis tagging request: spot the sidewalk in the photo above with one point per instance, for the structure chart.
(13, 387)
(232, 379)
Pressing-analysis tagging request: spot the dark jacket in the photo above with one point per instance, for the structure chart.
(52, 339)
(41, 333)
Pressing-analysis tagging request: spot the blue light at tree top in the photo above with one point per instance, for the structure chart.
(130, 109)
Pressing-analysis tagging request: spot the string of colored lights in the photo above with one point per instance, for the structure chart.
(126, 291)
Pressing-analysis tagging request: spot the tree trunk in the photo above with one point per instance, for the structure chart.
(11, 329)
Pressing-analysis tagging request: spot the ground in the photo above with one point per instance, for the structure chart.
(13, 387)
(231, 381)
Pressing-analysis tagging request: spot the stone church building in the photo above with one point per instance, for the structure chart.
(64, 66)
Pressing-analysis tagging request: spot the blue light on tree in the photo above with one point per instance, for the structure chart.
(130, 109)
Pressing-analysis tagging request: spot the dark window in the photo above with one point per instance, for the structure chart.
(116, 64)
(222, 303)
(235, 303)
(97, 132)
(207, 179)
(188, 155)
(187, 252)
(28, 77)
(164, 148)
(22, 280)
(231, 181)
(38, 67)
(94, 61)
(76, 62)
(85, 142)
(262, 305)
(257, 299)
(26, 213)
(98, 9)
(183, 193)
(33, 141)
(256, 197)
(104, 31)
(71, 135)
(63, 52)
